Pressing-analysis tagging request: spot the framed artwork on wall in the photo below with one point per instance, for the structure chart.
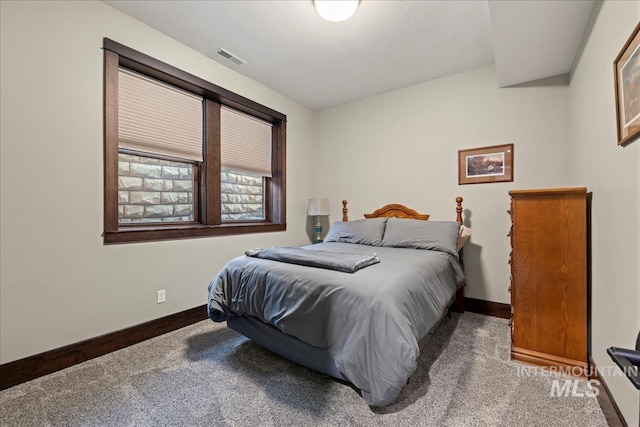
(626, 77)
(485, 164)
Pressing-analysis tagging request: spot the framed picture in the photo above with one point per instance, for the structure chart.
(626, 70)
(486, 164)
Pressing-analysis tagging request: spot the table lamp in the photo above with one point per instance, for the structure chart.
(318, 208)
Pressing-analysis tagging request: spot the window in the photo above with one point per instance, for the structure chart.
(245, 157)
(154, 189)
(184, 157)
(242, 196)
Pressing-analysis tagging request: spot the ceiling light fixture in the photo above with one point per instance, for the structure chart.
(336, 10)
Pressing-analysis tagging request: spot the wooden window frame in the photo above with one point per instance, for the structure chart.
(209, 197)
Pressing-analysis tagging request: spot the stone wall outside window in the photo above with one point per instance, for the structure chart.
(242, 196)
(154, 190)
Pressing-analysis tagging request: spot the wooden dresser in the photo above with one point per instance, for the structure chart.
(549, 306)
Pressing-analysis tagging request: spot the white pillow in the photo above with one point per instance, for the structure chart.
(463, 236)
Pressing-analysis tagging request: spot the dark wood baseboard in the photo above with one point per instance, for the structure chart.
(32, 367)
(489, 308)
(607, 402)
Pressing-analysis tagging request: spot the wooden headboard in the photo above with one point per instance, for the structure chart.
(396, 210)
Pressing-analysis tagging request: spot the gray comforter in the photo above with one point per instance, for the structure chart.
(370, 321)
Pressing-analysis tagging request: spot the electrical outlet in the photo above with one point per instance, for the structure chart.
(162, 296)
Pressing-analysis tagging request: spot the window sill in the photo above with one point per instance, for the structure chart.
(144, 234)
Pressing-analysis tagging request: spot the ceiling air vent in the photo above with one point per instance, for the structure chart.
(231, 57)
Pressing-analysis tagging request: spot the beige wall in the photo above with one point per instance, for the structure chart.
(402, 147)
(613, 174)
(59, 284)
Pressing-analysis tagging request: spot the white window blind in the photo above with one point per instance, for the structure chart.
(157, 118)
(245, 143)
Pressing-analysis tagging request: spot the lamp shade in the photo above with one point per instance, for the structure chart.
(318, 207)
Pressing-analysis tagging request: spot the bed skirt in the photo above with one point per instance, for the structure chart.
(298, 351)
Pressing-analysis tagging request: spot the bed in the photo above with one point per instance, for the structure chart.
(366, 325)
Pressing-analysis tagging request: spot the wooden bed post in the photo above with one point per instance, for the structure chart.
(460, 293)
(345, 218)
(460, 299)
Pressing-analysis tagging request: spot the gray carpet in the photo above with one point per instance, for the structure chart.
(208, 375)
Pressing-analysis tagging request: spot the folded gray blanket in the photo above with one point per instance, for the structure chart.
(346, 262)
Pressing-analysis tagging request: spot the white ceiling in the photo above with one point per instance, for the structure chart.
(386, 45)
